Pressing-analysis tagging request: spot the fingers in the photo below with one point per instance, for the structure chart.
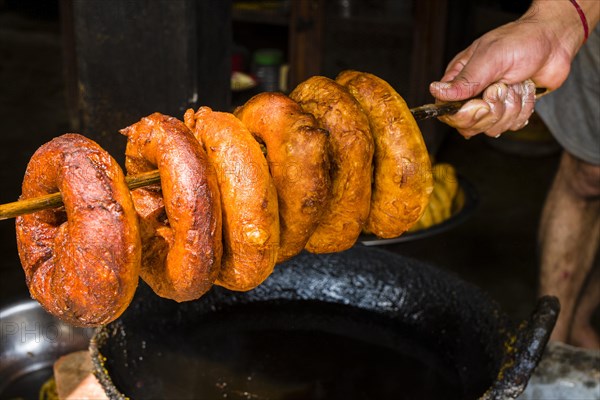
(471, 119)
(511, 106)
(526, 91)
(501, 108)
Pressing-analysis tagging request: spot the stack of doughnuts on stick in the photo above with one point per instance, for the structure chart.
(239, 192)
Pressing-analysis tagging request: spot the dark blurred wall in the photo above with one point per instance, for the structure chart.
(32, 111)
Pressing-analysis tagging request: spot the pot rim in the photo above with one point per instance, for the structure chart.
(519, 347)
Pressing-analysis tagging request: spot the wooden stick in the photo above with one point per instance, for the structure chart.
(28, 206)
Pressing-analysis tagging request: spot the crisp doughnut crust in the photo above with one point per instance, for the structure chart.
(248, 198)
(81, 261)
(351, 145)
(297, 152)
(402, 180)
(180, 220)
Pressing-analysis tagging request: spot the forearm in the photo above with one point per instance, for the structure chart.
(562, 17)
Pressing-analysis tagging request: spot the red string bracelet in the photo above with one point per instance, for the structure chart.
(586, 29)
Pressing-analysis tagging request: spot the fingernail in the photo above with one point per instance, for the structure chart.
(440, 89)
(482, 112)
(441, 85)
(497, 136)
(499, 92)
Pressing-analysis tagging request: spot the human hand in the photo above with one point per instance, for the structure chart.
(506, 64)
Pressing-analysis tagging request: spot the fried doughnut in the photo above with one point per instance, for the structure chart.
(402, 181)
(297, 153)
(351, 145)
(180, 220)
(248, 198)
(81, 261)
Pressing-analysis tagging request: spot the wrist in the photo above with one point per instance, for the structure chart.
(561, 22)
(591, 9)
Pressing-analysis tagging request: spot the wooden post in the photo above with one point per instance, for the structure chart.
(132, 58)
(306, 40)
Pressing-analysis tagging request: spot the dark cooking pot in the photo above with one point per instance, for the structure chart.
(362, 324)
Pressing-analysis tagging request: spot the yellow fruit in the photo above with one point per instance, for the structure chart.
(442, 202)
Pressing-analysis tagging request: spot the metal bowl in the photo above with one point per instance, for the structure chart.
(31, 340)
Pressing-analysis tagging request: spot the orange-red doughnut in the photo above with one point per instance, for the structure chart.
(82, 260)
(351, 145)
(402, 181)
(297, 152)
(248, 198)
(181, 219)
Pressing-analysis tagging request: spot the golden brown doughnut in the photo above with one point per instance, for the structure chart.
(248, 198)
(297, 152)
(402, 179)
(181, 219)
(81, 261)
(351, 145)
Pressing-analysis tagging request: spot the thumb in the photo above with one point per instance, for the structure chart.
(459, 88)
(474, 76)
